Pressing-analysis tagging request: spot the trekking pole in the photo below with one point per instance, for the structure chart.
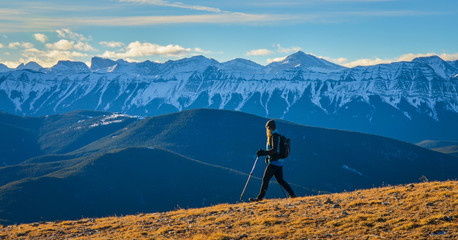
(251, 173)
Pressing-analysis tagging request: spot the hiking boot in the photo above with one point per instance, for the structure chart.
(254, 199)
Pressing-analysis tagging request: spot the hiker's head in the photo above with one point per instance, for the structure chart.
(270, 125)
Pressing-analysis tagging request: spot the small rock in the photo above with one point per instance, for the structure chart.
(243, 236)
(429, 204)
(22, 234)
(439, 232)
(336, 206)
(328, 201)
(344, 213)
(385, 203)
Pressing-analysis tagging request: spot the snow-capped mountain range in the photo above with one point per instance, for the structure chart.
(397, 100)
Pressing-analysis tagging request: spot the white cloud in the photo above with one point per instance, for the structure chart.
(66, 33)
(112, 44)
(64, 44)
(175, 4)
(50, 57)
(200, 50)
(287, 50)
(40, 37)
(340, 60)
(63, 55)
(258, 52)
(279, 59)
(13, 64)
(405, 57)
(82, 46)
(366, 62)
(15, 45)
(444, 56)
(44, 58)
(2, 46)
(138, 49)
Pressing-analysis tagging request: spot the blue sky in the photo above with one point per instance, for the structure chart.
(347, 32)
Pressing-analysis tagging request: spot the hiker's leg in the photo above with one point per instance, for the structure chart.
(268, 174)
(282, 182)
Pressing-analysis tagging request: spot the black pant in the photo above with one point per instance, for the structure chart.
(272, 170)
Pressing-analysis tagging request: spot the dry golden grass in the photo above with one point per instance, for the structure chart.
(414, 211)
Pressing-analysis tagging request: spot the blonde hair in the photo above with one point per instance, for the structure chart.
(269, 135)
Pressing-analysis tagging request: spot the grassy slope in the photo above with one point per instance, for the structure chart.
(414, 211)
(446, 147)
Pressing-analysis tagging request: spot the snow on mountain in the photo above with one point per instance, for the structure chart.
(453, 63)
(30, 65)
(99, 64)
(4, 68)
(69, 67)
(302, 88)
(301, 60)
(243, 65)
(183, 69)
(441, 67)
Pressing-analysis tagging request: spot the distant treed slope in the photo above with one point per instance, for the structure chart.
(396, 100)
(66, 133)
(120, 182)
(24, 138)
(18, 138)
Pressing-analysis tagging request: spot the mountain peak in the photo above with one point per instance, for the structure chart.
(440, 67)
(428, 59)
(240, 64)
(299, 54)
(201, 58)
(30, 65)
(67, 66)
(98, 63)
(304, 61)
(4, 68)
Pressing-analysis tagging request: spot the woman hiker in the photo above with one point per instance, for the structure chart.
(274, 163)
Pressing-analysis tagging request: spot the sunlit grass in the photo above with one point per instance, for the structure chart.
(414, 211)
